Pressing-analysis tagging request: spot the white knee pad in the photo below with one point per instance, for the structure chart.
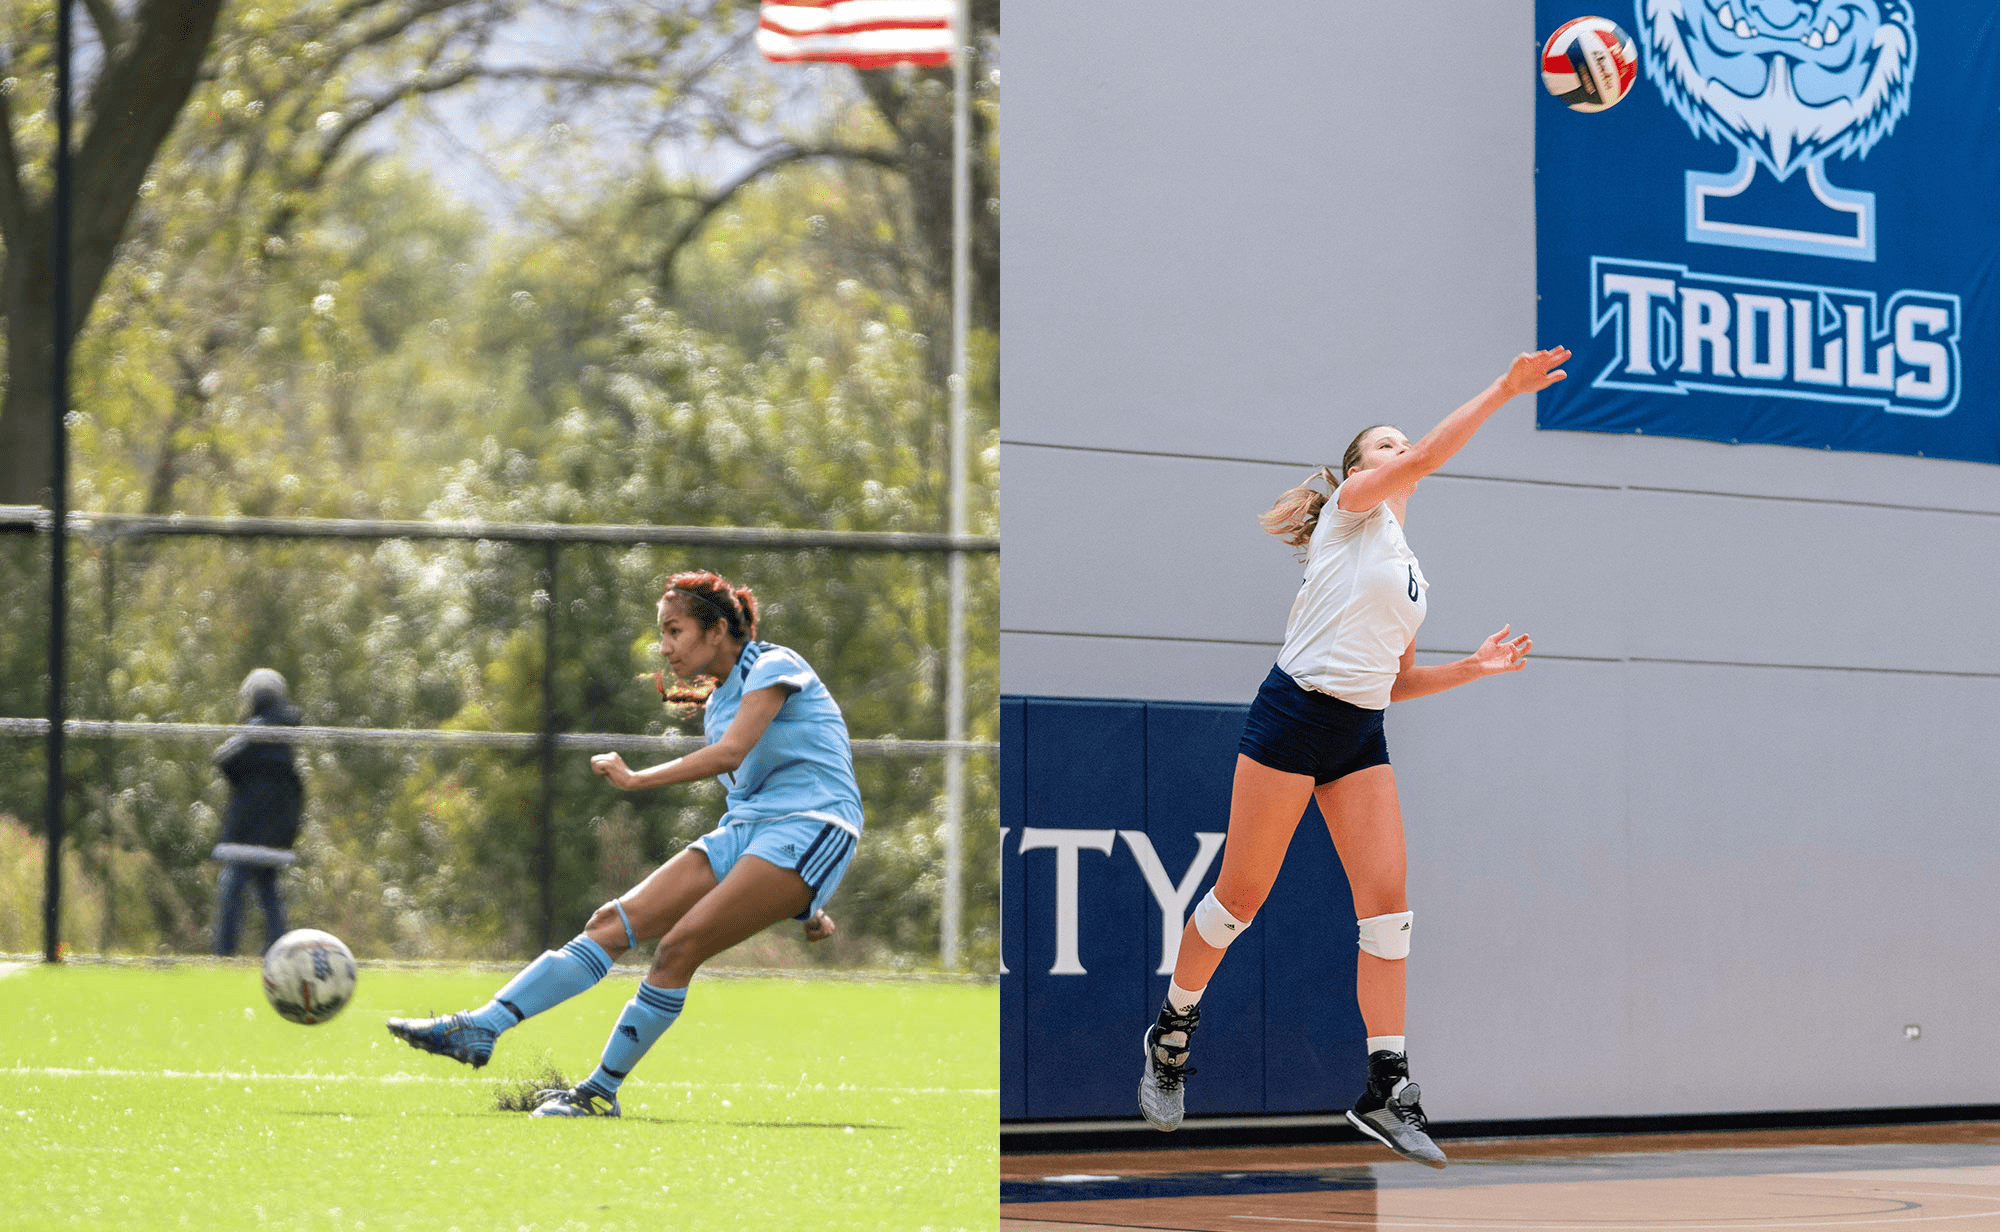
(1386, 936)
(1215, 925)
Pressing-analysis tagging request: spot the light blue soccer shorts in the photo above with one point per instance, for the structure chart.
(818, 851)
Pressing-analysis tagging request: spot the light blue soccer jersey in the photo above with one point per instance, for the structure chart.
(801, 766)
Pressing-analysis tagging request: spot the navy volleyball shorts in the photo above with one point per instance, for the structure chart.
(1301, 731)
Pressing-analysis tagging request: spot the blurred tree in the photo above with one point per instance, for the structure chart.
(907, 131)
(277, 111)
(146, 63)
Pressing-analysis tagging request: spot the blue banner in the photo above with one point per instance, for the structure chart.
(1786, 233)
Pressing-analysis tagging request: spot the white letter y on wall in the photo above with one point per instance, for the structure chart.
(1173, 897)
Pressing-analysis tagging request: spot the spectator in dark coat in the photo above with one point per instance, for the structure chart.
(261, 821)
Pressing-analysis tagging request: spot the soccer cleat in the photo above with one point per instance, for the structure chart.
(453, 1036)
(1388, 1111)
(580, 1100)
(1165, 1068)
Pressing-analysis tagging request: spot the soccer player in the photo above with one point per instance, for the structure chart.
(1316, 730)
(777, 740)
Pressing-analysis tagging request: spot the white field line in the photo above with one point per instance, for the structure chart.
(53, 1071)
(13, 968)
(629, 966)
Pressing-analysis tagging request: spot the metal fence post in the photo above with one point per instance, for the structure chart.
(546, 809)
(106, 771)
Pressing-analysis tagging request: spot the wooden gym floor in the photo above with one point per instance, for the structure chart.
(1941, 1177)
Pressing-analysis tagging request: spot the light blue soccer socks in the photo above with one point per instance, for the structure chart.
(647, 1016)
(551, 979)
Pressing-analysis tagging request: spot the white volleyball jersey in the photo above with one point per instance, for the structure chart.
(1359, 606)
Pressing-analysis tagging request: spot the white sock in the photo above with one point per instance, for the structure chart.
(1180, 998)
(1385, 1043)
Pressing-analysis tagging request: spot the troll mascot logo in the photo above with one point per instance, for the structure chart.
(1789, 83)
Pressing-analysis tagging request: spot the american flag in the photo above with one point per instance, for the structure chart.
(862, 33)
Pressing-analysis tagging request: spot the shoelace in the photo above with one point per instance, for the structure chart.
(579, 1097)
(1404, 1105)
(1168, 1074)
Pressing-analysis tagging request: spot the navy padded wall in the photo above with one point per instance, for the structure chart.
(1014, 807)
(1086, 771)
(1280, 1028)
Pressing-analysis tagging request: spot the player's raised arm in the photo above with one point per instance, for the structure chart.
(1390, 467)
(756, 713)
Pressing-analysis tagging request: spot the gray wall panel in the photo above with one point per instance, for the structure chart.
(1149, 546)
(1171, 547)
(1761, 581)
(1698, 877)
(1112, 667)
(1784, 823)
(1145, 546)
(1199, 216)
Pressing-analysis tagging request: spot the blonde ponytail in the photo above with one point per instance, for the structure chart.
(1298, 510)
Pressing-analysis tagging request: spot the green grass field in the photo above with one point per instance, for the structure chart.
(173, 1097)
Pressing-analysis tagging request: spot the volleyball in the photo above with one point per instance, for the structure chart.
(1589, 63)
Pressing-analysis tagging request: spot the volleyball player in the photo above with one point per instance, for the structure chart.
(777, 740)
(1315, 731)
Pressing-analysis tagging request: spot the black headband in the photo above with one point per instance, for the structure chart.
(727, 614)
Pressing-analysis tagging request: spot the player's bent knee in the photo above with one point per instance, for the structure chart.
(678, 954)
(1215, 925)
(610, 929)
(1385, 936)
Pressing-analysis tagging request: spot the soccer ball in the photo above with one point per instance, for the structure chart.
(308, 975)
(1589, 63)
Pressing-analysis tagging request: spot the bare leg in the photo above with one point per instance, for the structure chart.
(700, 923)
(753, 897)
(655, 904)
(1368, 828)
(1265, 806)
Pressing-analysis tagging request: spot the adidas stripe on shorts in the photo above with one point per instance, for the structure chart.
(819, 851)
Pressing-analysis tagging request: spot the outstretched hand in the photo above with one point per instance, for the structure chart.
(1533, 371)
(1499, 655)
(820, 927)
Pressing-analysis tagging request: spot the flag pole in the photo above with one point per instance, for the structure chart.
(955, 686)
(855, 32)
